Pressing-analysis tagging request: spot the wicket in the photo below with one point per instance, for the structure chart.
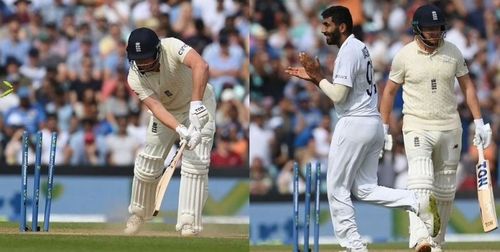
(307, 210)
(36, 181)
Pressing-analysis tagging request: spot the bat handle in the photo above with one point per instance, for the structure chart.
(480, 152)
(182, 145)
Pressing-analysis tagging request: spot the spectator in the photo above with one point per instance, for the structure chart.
(14, 44)
(62, 139)
(122, 147)
(31, 115)
(260, 181)
(223, 156)
(69, 58)
(226, 60)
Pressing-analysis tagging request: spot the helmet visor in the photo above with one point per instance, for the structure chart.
(146, 65)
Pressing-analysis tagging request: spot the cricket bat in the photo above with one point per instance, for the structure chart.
(485, 193)
(167, 175)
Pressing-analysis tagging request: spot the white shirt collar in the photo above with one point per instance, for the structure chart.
(346, 40)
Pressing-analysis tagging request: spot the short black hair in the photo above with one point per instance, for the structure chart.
(339, 15)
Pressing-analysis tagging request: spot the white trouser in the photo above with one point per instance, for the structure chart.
(433, 158)
(352, 167)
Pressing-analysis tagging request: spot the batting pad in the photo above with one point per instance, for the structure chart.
(420, 181)
(147, 172)
(192, 197)
(445, 187)
(142, 199)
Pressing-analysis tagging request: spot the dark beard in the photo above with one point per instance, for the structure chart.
(334, 38)
(432, 42)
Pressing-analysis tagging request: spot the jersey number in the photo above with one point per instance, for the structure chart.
(372, 88)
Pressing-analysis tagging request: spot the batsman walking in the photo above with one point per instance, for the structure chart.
(170, 78)
(426, 69)
(358, 136)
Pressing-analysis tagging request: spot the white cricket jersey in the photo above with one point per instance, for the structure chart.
(353, 68)
(428, 86)
(173, 84)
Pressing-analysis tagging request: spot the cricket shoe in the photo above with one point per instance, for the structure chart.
(429, 214)
(134, 224)
(362, 249)
(187, 230)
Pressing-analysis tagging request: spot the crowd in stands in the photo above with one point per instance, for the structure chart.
(68, 64)
(294, 120)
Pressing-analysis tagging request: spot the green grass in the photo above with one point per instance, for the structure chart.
(77, 237)
(392, 247)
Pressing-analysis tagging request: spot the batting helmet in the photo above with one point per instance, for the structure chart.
(427, 16)
(143, 43)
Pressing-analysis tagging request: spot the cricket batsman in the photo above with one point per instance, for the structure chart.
(170, 78)
(426, 69)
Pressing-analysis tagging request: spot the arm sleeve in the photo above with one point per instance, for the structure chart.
(461, 67)
(336, 92)
(397, 73)
(175, 48)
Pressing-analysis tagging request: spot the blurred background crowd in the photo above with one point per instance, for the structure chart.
(67, 62)
(293, 120)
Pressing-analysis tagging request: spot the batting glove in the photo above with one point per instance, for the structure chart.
(198, 115)
(483, 134)
(191, 135)
(387, 141)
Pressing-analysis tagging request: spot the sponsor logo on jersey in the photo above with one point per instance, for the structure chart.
(338, 76)
(366, 54)
(183, 48)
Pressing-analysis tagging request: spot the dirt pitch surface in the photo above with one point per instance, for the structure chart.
(69, 237)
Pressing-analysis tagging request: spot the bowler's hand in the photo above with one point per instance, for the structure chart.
(311, 66)
(298, 72)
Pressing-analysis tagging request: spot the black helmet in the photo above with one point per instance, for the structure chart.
(143, 43)
(426, 16)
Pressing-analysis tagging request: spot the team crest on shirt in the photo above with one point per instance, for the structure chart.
(433, 85)
(154, 127)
